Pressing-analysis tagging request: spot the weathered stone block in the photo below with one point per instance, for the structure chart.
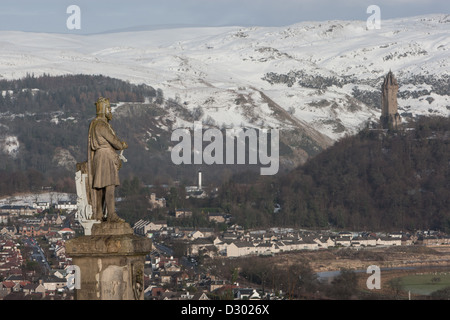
(111, 262)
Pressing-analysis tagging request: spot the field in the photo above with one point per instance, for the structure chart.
(420, 270)
(403, 257)
(406, 272)
(425, 283)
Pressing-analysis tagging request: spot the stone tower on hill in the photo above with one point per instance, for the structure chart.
(390, 119)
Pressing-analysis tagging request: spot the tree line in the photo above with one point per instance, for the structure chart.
(374, 180)
(69, 93)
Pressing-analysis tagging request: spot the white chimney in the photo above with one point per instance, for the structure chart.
(199, 180)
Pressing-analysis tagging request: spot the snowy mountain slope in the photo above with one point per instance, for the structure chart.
(326, 76)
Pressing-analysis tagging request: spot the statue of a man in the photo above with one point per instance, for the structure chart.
(103, 163)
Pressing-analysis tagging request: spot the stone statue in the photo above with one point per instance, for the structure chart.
(109, 258)
(103, 163)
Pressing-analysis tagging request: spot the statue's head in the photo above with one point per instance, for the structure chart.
(103, 108)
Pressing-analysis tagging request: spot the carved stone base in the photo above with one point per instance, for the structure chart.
(111, 262)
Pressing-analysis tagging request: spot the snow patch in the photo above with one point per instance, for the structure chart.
(10, 145)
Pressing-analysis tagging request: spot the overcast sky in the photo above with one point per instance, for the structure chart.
(106, 15)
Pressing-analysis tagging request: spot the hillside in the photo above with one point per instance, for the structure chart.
(374, 180)
(325, 75)
(43, 127)
(44, 122)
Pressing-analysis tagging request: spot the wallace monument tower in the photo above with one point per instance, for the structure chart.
(390, 119)
(109, 259)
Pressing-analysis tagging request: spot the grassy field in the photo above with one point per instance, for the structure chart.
(425, 284)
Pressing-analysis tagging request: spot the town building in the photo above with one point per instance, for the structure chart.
(155, 202)
(18, 210)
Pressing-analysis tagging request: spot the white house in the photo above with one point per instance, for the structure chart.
(246, 294)
(298, 245)
(142, 227)
(364, 241)
(196, 234)
(266, 249)
(66, 231)
(66, 205)
(240, 248)
(345, 241)
(324, 242)
(157, 225)
(42, 205)
(53, 284)
(388, 241)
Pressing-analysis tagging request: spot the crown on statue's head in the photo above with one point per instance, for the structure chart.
(102, 104)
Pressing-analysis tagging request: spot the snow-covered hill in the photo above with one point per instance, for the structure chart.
(323, 76)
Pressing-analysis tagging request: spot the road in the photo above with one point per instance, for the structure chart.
(38, 254)
(163, 248)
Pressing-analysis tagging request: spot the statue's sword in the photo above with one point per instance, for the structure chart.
(122, 157)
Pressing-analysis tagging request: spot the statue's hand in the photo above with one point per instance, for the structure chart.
(124, 145)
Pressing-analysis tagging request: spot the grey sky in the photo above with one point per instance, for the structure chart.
(105, 15)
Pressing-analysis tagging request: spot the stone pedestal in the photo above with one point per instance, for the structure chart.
(110, 261)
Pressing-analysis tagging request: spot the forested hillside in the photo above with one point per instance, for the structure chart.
(375, 180)
(44, 123)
